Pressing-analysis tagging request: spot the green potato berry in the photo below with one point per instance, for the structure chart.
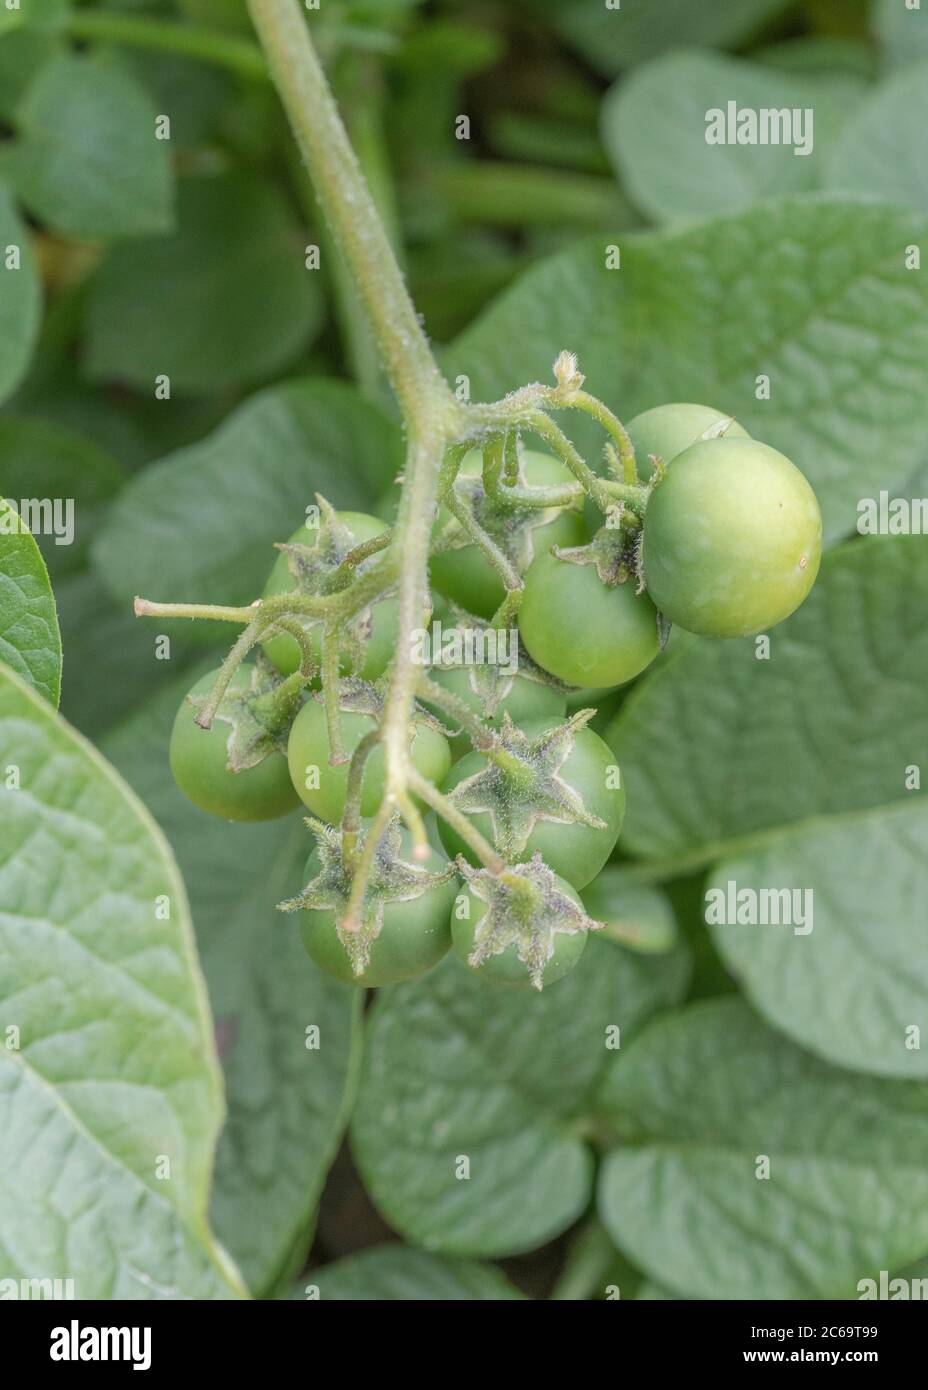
(199, 764)
(506, 968)
(415, 934)
(667, 430)
(732, 539)
(322, 788)
(572, 850)
(582, 631)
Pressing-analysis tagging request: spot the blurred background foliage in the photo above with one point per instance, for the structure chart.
(186, 257)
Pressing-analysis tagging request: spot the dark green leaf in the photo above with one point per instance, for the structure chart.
(699, 1101)
(30, 642)
(87, 161)
(223, 301)
(455, 1071)
(399, 1273)
(204, 520)
(20, 297)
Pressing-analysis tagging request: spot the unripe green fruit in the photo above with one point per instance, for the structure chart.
(666, 430)
(199, 757)
(507, 968)
(732, 538)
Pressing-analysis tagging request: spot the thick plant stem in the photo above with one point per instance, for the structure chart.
(349, 208)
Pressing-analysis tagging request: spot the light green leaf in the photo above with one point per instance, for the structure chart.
(850, 980)
(225, 300)
(110, 1099)
(455, 1070)
(86, 161)
(22, 53)
(208, 516)
(656, 123)
(699, 1101)
(67, 478)
(615, 38)
(20, 297)
(288, 1103)
(881, 152)
(813, 293)
(399, 1273)
(752, 769)
(748, 746)
(902, 31)
(30, 642)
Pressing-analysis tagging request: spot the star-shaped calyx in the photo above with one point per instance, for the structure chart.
(490, 681)
(614, 552)
(525, 909)
(393, 879)
(312, 567)
(522, 784)
(506, 521)
(259, 716)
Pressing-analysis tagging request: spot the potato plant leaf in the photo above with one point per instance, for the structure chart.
(800, 773)
(208, 516)
(110, 1097)
(20, 296)
(700, 1102)
(30, 642)
(87, 162)
(287, 1034)
(881, 152)
(400, 1273)
(469, 1130)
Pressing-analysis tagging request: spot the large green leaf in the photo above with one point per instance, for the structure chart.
(110, 1098)
(69, 475)
(812, 293)
(698, 1101)
(655, 127)
(881, 152)
(225, 300)
(456, 1071)
(30, 642)
(20, 297)
(202, 522)
(851, 980)
(399, 1273)
(801, 772)
(616, 37)
(718, 745)
(86, 161)
(287, 1101)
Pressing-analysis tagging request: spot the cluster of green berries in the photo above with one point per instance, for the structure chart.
(727, 544)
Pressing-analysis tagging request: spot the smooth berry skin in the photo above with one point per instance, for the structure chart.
(582, 631)
(666, 430)
(308, 758)
(732, 539)
(198, 759)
